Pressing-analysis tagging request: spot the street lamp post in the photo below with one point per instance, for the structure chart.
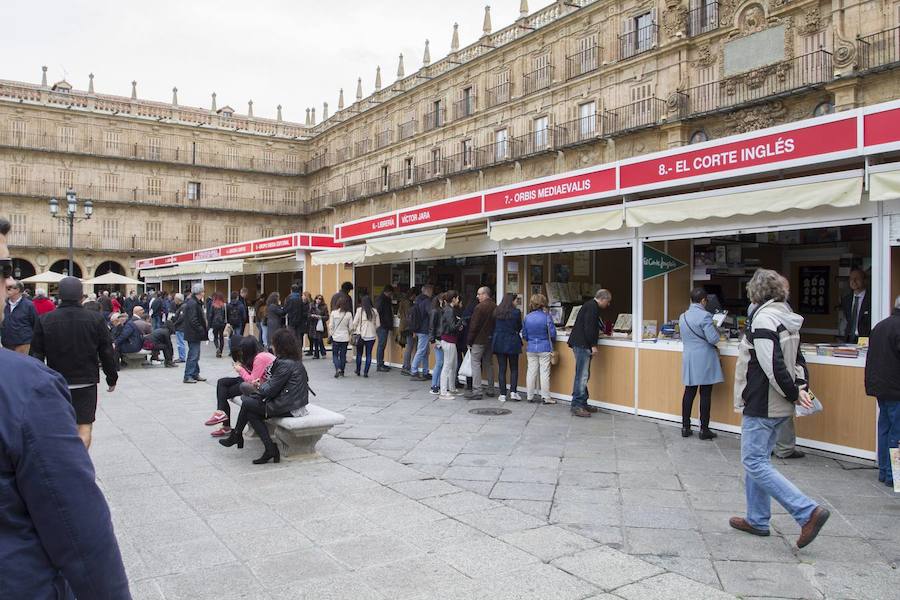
(69, 216)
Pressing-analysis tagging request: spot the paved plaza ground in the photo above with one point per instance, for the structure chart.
(417, 498)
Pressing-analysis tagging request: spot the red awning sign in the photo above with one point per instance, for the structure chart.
(553, 190)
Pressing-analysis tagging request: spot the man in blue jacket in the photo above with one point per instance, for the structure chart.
(56, 536)
(19, 317)
(420, 322)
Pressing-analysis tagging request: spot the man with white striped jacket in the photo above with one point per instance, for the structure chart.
(770, 379)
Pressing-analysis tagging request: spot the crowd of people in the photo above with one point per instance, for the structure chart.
(46, 410)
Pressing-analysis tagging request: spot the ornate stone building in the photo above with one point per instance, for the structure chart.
(577, 83)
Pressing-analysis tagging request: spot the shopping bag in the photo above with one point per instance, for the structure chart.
(320, 327)
(465, 369)
(802, 411)
(895, 468)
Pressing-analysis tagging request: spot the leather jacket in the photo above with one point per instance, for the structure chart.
(286, 388)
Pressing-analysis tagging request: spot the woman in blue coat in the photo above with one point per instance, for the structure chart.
(507, 345)
(700, 367)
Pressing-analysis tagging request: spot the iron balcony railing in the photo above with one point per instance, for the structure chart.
(151, 196)
(44, 238)
(315, 204)
(638, 41)
(498, 94)
(703, 18)
(583, 62)
(145, 151)
(461, 162)
(537, 80)
(407, 130)
(582, 130)
(637, 115)
(342, 154)
(384, 138)
(465, 107)
(435, 119)
(317, 163)
(362, 147)
(880, 49)
(807, 71)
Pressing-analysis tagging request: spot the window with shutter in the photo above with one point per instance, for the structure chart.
(232, 234)
(268, 196)
(193, 233)
(18, 236)
(539, 128)
(154, 187)
(110, 182)
(17, 176)
(65, 137)
(501, 144)
(587, 120)
(154, 230)
(110, 231)
(66, 180)
(154, 148)
(17, 129)
(113, 142)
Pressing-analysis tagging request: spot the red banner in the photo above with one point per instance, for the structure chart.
(881, 127)
(833, 136)
(286, 241)
(553, 190)
(440, 212)
(374, 225)
(323, 241)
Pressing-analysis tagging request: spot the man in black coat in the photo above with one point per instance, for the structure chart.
(883, 382)
(75, 342)
(196, 332)
(345, 290)
(297, 313)
(583, 340)
(857, 308)
(384, 306)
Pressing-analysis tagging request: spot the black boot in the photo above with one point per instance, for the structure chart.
(234, 438)
(706, 434)
(686, 432)
(270, 453)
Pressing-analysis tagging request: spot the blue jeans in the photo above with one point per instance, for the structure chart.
(339, 355)
(157, 322)
(182, 345)
(382, 343)
(762, 481)
(420, 361)
(192, 364)
(888, 435)
(364, 345)
(582, 374)
(438, 365)
(264, 335)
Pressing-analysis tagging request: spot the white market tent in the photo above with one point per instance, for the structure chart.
(112, 279)
(48, 277)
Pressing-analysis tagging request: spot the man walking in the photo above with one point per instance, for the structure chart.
(420, 322)
(384, 306)
(19, 317)
(584, 341)
(297, 313)
(883, 382)
(75, 342)
(195, 332)
(56, 534)
(481, 328)
(178, 321)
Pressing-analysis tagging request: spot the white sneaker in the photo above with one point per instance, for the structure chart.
(501, 398)
(446, 397)
(514, 396)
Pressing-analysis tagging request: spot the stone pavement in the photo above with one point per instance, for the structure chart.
(417, 498)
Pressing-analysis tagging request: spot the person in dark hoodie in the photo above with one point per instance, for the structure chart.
(56, 534)
(75, 342)
(19, 318)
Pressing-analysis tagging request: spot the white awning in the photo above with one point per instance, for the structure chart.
(339, 256)
(421, 240)
(194, 269)
(570, 223)
(838, 193)
(884, 186)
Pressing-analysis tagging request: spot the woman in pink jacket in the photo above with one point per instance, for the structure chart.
(251, 366)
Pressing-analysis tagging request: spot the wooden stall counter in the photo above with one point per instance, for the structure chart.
(612, 372)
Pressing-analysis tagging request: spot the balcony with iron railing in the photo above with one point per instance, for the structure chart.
(362, 147)
(143, 151)
(779, 79)
(703, 18)
(879, 50)
(407, 130)
(434, 119)
(342, 155)
(384, 138)
(583, 62)
(317, 163)
(537, 80)
(153, 197)
(461, 161)
(638, 41)
(637, 115)
(50, 239)
(582, 130)
(499, 94)
(465, 107)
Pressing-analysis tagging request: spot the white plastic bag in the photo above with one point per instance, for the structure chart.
(465, 369)
(802, 411)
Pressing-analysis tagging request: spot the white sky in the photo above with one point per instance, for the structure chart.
(294, 53)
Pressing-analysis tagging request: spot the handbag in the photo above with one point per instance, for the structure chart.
(320, 327)
(465, 369)
(554, 355)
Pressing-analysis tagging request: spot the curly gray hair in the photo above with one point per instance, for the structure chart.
(766, 285)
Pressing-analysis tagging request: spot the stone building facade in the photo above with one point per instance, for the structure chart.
(577, 83)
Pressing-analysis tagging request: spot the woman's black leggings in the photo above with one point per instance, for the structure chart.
(227, 387)
(219, 339)
(512, 360)
(687, 405)
(253, 411)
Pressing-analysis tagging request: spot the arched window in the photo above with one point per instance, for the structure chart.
(62, 266)
(109, 266)
(823, 108)
(698, 136)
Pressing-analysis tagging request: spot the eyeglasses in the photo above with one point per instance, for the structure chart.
(6, 266)
(11, 288)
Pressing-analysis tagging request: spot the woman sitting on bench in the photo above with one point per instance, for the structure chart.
(284, 394)
(250, 364)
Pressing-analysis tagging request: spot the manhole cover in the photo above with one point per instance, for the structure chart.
(494, 412)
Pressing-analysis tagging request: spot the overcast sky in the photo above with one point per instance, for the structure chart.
(294, 53)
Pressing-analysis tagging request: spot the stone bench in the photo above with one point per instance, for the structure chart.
(137, 358)
(299, 435)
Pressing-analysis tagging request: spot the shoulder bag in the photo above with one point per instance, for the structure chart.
(554, 355)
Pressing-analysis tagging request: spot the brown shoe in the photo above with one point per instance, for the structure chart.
(741, 524)
(591, 409)
(809, 531)
(580, 412)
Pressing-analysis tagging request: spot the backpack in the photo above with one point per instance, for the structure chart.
(415, 317)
